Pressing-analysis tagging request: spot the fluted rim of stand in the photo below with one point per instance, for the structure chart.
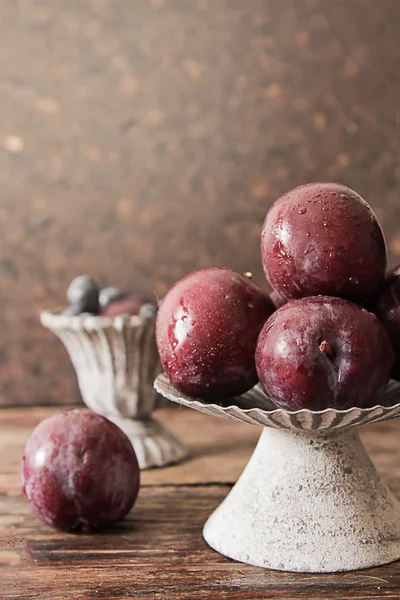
(254, 407)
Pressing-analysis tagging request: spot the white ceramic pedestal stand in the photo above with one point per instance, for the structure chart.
(310, 499)
(116, 361)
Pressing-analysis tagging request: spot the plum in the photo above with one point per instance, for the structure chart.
(79, 471)
(323, 352)
(323, 238)
(387, 308)
(207, 329)
(130, 305)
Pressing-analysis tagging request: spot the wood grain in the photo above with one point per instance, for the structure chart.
(158, 552)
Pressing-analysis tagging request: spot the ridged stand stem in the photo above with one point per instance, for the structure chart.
(310, 503)
(153, 444)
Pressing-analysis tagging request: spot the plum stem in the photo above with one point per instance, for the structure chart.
(326, 348)
(248, 274)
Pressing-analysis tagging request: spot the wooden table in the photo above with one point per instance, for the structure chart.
(158, 551)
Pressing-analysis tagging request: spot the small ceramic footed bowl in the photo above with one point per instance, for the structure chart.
(310, 499)
(116, 361)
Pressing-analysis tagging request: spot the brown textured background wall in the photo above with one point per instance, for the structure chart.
(141, 139)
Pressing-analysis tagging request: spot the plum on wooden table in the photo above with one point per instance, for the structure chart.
(79, 471)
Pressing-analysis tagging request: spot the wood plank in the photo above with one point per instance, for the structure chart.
(157, 552)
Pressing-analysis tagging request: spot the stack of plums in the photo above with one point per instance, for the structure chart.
(329, 334)
(86, 297)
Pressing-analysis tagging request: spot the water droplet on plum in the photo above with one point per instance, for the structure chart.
(279, 248)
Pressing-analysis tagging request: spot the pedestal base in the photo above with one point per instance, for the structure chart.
(153, 444)
(308, 503)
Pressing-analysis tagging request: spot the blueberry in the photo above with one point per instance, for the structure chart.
(148, 310)
(83, 295)
(108, 295)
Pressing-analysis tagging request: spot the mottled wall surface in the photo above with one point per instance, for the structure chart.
(140, 139)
